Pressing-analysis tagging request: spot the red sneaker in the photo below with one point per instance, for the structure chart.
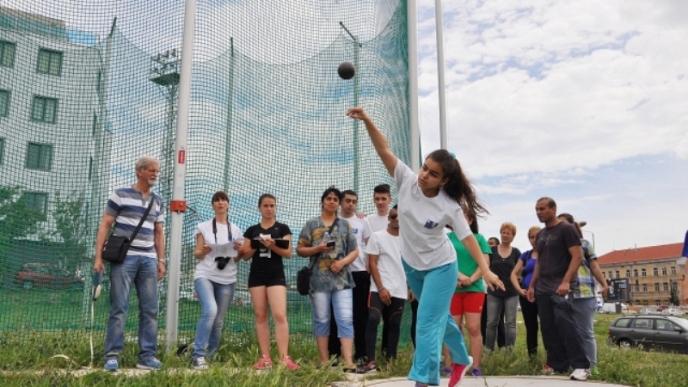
(458, 370)
(263, 363)
(287, 362)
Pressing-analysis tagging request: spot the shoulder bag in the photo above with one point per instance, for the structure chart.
(116, 247)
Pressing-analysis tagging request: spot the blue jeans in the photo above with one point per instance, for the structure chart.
(343, 306)
(434, 289)
(584, 314)
(494, 312)
(143, 272)
(215, 300)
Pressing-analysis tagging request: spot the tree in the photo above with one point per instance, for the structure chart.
(70, 226)
(17, 219)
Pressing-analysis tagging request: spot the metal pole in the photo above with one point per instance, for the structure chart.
(356, 123)
(176, 227)
(230, 114)
(440, 73)
(414, 132)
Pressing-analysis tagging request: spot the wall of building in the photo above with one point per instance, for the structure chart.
(663, 272)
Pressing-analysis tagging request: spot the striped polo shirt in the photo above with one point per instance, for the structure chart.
(127, 206)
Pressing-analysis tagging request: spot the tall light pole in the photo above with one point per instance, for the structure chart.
(593, 238)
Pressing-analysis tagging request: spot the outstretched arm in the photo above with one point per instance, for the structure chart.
(377, 138)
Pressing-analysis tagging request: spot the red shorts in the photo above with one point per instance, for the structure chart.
(467, 302)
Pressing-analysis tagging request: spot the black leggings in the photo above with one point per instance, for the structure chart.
(392, 314)
(530, 319)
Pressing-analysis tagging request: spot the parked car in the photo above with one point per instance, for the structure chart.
(46, 275)
(666, 333)
(672, 312)
(649, 310)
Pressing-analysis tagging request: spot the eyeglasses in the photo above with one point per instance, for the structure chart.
(222, 262)
(393, 216)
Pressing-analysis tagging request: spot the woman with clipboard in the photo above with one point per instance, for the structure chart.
(270, 243)
(215, 276)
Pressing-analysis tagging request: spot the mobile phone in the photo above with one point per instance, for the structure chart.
(331, 244)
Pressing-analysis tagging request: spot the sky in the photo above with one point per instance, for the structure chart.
(585, 102)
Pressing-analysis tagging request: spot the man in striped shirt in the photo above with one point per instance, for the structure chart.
(143, 267)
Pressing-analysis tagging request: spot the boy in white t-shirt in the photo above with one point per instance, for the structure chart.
(359, 272)
(387, 290)
(382, 198)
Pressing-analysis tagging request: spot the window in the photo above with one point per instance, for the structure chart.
(644, 288)
(635, 272)
(644, 302)
(657, 288)
(617, 274)
(37, 201)
(665, 287)
(628, 274)
(637, 302)
(664, 272)
(610, 275)
(4, 103)
(44, 109)
(658, 303)
(2, 149)
(623, 323)
(39, 156)
(643, 323)
(655, 272)
(637, 287)
(643, 273)
(49, 62)
(7, 50)
(673, 270)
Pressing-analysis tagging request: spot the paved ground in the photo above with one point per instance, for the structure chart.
(489, 381)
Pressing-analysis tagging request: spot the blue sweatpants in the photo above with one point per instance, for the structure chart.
(434, 289)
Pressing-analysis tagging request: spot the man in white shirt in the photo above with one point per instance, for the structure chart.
(382, 197)
(359, 272)
(387, 290)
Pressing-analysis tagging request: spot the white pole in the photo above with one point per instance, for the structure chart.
(178, 205)
(414, 131)
(440, 73)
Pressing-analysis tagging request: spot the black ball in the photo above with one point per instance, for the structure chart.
(346, 70)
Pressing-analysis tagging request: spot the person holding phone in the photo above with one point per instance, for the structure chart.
(268, 242)
(428, 201)
(214, 277)
(331, 282)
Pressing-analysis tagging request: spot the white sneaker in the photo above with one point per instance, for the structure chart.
(580, 374)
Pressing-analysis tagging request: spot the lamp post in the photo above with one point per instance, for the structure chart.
(593, 238)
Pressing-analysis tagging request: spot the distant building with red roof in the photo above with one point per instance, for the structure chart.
(651, 271)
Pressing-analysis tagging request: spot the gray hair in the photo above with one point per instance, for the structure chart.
(145, 161)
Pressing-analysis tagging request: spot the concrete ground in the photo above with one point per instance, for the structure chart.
(488, 381)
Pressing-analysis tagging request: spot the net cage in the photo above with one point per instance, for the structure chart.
(86, 88)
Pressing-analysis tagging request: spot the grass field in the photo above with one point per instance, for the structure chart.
(27, 360)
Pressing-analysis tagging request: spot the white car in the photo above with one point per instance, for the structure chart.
(672, 312)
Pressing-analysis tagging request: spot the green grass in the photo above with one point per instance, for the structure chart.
(27, 359)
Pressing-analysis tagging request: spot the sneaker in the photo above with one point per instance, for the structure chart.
(150, 363)
(367, 368)
(287, 362)
(198, 363)
(263, 363)
(580, 374)
(476, 372)
(111, 365)
(458, 370)
(547, 370)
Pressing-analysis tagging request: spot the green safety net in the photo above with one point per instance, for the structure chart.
(86, 88)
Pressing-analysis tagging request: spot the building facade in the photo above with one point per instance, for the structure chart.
(652, 272)
(52, 107)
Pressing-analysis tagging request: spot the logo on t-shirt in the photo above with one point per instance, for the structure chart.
(431, 224)
(355, 230)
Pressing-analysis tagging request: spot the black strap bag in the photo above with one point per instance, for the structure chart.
(116, 247)
(303, 277)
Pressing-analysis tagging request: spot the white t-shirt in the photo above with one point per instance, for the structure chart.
(386, 246)
(362, 231)
(207, 267)
(424, 245)
(377, 222)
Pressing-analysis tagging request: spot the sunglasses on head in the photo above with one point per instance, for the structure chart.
(393, 216)
(222, 262)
